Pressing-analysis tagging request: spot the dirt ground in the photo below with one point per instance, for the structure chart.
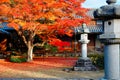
(45, 68)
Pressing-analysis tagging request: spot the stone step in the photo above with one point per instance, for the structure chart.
(84, 65)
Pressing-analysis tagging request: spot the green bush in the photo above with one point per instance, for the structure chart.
(97, 60)
(17, 59)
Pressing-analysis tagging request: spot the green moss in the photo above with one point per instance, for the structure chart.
(18, 59)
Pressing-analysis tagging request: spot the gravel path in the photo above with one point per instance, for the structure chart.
(33, 71)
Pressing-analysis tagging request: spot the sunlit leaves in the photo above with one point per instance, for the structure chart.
(14, 25)
(69, 32)
(4, 9)
(4, 1)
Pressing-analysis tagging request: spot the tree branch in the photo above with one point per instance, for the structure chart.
(39, 44)
(23, 37)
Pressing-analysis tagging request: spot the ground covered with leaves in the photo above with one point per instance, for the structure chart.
(50, 67)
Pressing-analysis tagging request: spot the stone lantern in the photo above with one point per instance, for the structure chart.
(110, 15)
(84, 40)
(84, 63)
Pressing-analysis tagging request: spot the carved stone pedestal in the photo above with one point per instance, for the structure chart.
(84, 64)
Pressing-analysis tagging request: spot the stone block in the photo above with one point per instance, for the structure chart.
(84, 65)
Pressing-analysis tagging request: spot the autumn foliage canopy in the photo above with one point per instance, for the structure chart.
(45, 18)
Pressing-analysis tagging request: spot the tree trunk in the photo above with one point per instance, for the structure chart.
(30, 51)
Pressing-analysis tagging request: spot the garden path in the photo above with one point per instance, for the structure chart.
(45, 68)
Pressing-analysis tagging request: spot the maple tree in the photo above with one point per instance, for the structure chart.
(45, 18)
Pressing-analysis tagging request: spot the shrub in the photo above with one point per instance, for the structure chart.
(97, 60)
(17, 59)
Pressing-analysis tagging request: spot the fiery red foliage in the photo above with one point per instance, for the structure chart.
(60, 44)
(47, 63)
